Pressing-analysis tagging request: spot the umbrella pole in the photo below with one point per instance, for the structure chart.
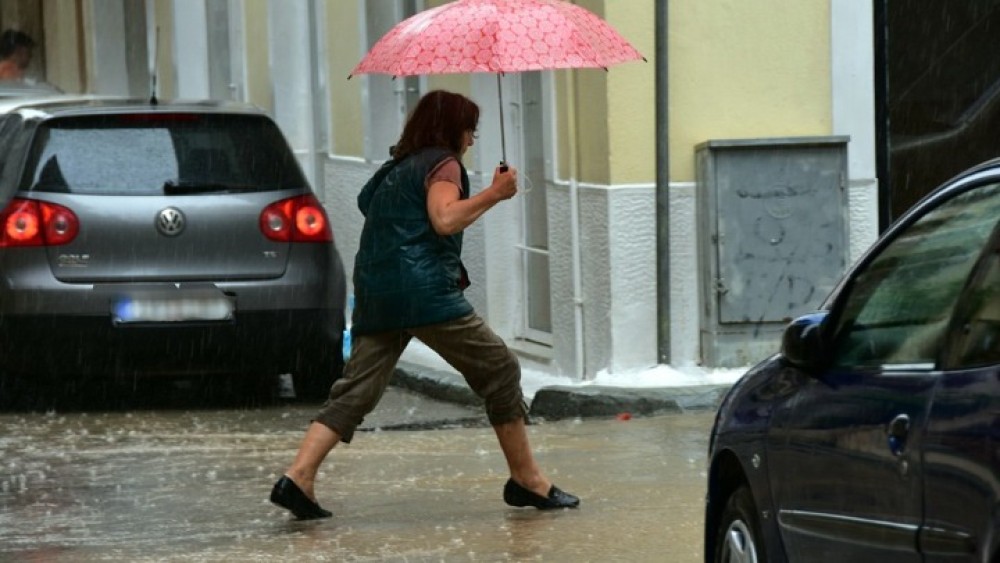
(503, 137)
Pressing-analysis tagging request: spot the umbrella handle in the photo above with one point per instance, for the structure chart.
(503, 138)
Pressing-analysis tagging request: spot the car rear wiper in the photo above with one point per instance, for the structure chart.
(171, 187)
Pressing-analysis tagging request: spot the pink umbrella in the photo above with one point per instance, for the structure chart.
(497, 36)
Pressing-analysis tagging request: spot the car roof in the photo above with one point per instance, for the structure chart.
(987, 169)
(49, 106)
(21, 88)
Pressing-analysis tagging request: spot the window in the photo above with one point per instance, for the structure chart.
(135, 154)
(538, 313)
(977, 338)
(900, 304)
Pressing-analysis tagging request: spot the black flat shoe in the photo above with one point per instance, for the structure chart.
(289, 496)
(516, 495)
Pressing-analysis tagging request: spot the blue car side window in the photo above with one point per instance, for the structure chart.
(900, 305)
(976, 328)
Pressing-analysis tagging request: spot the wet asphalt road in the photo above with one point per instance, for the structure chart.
(186, 483)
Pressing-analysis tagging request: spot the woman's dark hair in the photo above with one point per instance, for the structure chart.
(440, 120)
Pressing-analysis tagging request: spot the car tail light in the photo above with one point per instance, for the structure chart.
(26, 222)
(296, 219)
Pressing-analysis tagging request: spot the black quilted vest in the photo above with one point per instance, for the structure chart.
(405, 274)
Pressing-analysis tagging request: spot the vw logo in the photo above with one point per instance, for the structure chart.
(170, 222)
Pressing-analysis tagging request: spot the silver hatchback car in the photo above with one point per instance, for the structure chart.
(161, 239)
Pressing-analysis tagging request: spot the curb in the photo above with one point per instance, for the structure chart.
(566, 401)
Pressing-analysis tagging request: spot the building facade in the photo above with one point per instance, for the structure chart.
(567, 272)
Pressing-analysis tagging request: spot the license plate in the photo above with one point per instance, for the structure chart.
(170, 310)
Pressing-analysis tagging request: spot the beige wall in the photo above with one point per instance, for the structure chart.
(258, 77)
(166, 74)
(64, 45)
(343, 53)
(737, 71)
(632, 96)
(615, 125)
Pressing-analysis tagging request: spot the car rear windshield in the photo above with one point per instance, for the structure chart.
(160, 153)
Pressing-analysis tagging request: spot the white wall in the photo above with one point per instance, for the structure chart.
(853, 84)
(191, 49)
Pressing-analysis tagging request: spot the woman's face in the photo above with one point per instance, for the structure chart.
(468, 140)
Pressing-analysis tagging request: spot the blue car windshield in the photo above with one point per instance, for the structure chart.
(160, 153)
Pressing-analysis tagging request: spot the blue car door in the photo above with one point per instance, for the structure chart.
(847, 486)
(962, 442)
(847, 444)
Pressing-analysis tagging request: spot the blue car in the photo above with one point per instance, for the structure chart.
(874, 435)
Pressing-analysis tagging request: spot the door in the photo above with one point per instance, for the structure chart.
(848, 443)
(962, 445)
(535, 250)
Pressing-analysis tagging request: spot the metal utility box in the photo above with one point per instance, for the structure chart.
(772, 225)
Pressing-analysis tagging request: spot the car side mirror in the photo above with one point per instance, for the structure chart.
(803, 344)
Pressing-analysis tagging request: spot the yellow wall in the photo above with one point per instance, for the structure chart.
(63, 46)
(166, 79)
(343, 53)
(743, 69)
(258, 77)
(632, 96)
(615, 126)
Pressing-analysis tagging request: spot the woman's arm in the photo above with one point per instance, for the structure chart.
(450, 214)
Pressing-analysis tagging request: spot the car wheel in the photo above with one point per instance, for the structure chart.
(739, 538)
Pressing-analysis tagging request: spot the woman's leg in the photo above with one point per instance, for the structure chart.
(352, 397)
(316, 444)
(513, 438)
(493, 372)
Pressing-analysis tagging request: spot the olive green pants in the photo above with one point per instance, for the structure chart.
(467, 344)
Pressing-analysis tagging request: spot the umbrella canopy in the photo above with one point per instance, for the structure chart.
(497, 36)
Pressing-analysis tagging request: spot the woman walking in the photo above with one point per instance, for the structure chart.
(409, 282)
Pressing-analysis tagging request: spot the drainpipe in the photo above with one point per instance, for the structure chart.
(152, 49)
(574, 207)
(662, 184)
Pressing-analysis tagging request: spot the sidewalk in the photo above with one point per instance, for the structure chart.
(553, 398)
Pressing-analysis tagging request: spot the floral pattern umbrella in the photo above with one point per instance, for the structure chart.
(497, 36)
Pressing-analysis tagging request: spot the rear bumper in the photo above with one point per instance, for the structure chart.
(253, 343)
(28, 289)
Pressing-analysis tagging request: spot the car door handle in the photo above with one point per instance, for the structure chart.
(898, 431)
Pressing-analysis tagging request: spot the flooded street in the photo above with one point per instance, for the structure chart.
(192, 485)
